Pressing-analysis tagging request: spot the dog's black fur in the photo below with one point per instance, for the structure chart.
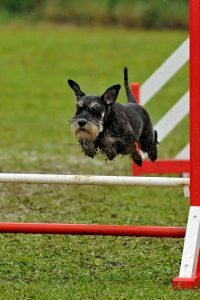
(102, 123)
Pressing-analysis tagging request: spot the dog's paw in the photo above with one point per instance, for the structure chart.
(109, 153)
(153, 154)
(138, 162)
(110, 156)
(90, 154)
(153, 158)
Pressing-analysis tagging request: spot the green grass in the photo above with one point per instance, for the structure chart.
(35, 63)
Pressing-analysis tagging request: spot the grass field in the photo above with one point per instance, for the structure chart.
(36, 104)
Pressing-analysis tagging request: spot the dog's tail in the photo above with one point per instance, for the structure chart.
(126, 85)
(156, 137)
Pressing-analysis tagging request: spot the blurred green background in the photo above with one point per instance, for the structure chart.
(157, 14)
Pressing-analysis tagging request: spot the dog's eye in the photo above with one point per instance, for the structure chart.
(79, 109)
(95, 111)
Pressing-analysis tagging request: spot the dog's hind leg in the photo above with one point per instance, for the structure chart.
(152, 153)
(148, 144)
(135, 155)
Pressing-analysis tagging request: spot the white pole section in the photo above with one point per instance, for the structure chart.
(173, 117)
(158, 79)
(184, 153)
(192, 244)
(94, 180)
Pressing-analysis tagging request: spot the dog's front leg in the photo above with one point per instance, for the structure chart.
(88, 147)
(107, 146)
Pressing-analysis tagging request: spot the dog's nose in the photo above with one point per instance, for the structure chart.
(82, 122)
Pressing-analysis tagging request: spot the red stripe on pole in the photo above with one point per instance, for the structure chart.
(162, 166)
(195, 101)
(135, 90)
(93, 229)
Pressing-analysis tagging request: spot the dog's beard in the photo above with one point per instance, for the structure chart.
(89, 132)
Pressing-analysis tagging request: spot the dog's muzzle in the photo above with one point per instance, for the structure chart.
(85, 129)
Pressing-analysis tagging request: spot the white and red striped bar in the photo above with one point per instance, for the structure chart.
(94, 180)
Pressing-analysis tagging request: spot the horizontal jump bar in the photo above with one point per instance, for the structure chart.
(92, 229)
(94, 180)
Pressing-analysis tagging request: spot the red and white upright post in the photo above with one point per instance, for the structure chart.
(189, 276)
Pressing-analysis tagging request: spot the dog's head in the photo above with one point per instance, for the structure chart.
(88, 121)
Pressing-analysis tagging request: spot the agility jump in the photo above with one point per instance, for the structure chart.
(189, 276)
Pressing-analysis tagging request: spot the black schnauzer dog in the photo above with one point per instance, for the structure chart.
(102, 123)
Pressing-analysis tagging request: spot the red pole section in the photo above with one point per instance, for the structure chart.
(195, 102)
(135, 90)
(85, 229)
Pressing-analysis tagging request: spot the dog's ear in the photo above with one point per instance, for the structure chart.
(111, 94)
(76, 88)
